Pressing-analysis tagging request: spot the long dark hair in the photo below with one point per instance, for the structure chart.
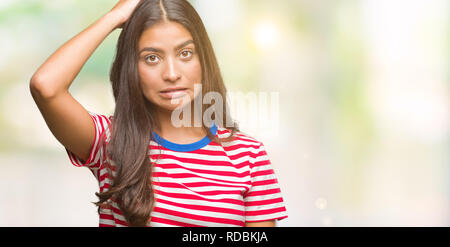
(134, 120)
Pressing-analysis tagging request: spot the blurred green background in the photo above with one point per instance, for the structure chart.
(364, 88)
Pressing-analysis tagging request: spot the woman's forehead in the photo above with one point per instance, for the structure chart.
(164, 36)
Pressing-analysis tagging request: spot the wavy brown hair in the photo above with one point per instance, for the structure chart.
(134, 120)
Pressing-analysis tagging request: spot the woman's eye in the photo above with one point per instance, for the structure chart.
(152, 59)
(186, 54)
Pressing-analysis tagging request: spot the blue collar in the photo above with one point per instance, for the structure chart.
(185, 147)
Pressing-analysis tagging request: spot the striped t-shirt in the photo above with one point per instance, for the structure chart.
(198, 184)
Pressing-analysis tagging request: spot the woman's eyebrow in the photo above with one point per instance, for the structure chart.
(185, 43)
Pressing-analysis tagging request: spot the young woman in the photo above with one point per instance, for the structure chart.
(150, 171)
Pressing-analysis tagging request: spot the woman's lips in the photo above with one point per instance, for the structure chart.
(173, 93)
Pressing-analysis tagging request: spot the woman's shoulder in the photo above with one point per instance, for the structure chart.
(243, 145)
(102, 123)
(240, 138)
(107, 118)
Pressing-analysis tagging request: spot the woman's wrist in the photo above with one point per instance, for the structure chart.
(114, 18)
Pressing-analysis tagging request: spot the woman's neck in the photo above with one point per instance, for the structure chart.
(180, 135)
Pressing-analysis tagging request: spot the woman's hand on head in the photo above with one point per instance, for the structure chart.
(123, 10)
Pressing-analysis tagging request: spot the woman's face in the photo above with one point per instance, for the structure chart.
(168, 65)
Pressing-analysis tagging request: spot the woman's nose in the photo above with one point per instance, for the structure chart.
(171, 72)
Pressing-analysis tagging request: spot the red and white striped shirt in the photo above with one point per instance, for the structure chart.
(198, 184)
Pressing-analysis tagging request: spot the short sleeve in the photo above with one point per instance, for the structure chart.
(96, 155)
(264, 200)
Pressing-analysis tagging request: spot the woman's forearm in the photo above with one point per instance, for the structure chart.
(56, 74)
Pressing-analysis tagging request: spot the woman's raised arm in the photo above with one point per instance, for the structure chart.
(66, 118)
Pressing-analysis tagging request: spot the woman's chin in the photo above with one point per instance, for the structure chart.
(172, 104)
(168, 106)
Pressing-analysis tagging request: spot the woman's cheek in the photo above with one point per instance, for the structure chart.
(195, 73)
(145, 72)
(147, 87)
